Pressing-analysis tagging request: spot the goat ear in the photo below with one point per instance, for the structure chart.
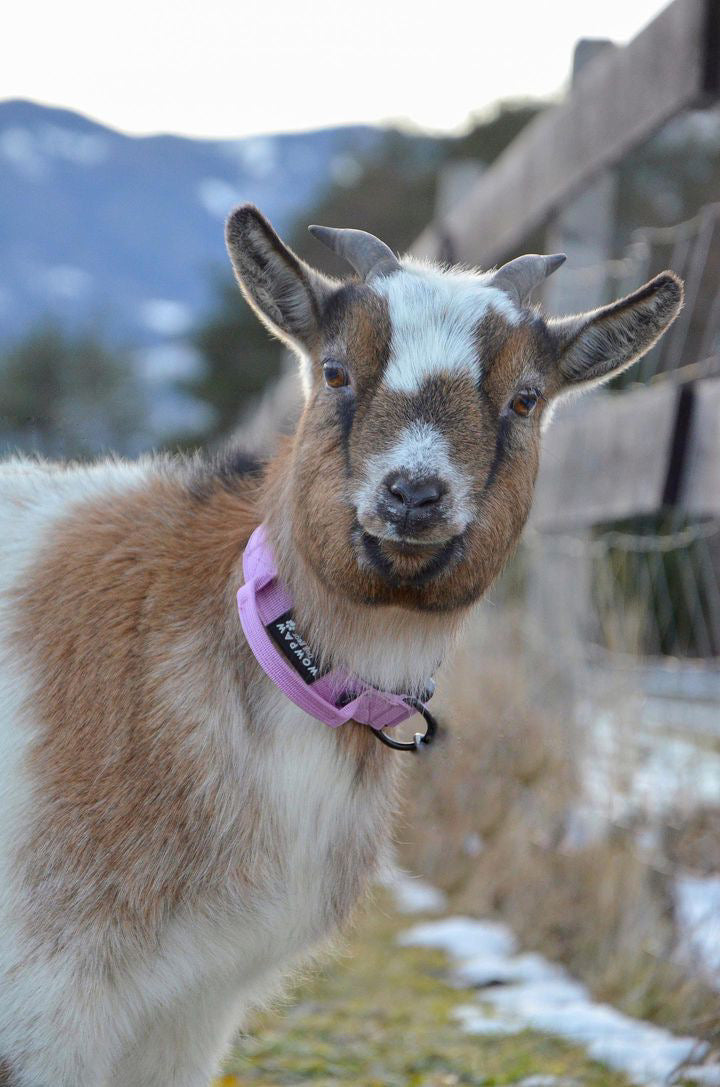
(285, 292)
(595, 346)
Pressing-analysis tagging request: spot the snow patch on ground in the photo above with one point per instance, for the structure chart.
(411, 894)
(708, 1075)
(627, 770)
(474, 1019)
(463, 938)
(527, 991)
(483, 970)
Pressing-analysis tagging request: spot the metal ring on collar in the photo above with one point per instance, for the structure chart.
(420, 739)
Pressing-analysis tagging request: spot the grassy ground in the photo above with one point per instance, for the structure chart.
(382, 1016)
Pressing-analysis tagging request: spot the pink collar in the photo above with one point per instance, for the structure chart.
(333, 697)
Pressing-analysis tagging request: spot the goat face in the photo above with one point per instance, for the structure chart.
(415, 458)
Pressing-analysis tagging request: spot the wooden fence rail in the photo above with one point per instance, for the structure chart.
(617, 101)
(632, 453)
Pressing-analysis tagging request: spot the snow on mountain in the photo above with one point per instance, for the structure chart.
(126, 232)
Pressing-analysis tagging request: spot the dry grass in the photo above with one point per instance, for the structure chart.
(489, 818)
(692, 840)
(385, 1016)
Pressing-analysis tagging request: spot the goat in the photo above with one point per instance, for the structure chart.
(176, 833)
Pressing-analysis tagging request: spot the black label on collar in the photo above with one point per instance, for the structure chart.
(294, 648)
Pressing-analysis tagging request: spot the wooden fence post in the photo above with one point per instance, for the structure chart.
(560, 582)
(584, 226)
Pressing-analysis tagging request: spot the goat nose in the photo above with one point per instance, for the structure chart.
(413, 494)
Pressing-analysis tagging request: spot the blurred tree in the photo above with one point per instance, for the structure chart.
(240, 358)
(391, 194)
(490, 134)
(67, 395)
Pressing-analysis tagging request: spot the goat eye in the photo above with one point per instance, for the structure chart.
(523, 403)
(335, 375)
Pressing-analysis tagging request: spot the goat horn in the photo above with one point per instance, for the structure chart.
(366, 253)
(518, 277)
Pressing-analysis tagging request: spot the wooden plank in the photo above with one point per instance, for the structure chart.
(584, 227)
(619, 99)
(605, 459)
(700, 493)
(692, 371)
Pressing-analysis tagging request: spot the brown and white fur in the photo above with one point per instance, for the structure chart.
(174, 834)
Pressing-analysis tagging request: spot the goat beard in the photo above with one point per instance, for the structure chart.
(406, 566)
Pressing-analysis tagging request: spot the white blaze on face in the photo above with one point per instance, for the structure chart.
(420, 451)
(433, 322)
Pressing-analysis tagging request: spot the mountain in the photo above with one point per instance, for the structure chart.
(127, 232)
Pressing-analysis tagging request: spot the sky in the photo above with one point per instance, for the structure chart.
(226, 68)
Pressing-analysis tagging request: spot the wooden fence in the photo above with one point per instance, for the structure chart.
(618, 99)
(653, 447)
(653, 450)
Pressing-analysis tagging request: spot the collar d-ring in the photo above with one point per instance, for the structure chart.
(420, 739)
